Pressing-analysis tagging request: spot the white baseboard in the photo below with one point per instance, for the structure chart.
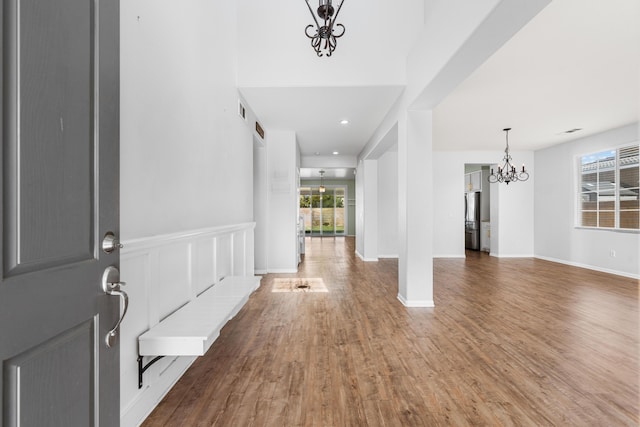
(388, 256)
(415, 303)
(149, 397)
(511, 255)
(589, 267)
(449, 256)
(260, 272)
(365, 259)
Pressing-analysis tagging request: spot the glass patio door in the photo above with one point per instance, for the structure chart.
(324, 213)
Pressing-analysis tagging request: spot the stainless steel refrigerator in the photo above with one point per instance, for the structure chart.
(472, 221)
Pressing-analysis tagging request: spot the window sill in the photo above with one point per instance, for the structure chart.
(615, 230)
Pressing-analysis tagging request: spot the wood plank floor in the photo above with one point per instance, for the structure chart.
(520, 342)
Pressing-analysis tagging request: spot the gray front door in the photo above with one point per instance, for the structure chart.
(59, 124)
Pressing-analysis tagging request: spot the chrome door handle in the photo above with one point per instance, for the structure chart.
(111, 286)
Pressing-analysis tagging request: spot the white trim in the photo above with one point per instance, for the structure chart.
(260, 272)
(416, 303)
(450, 256)
(164, 272)
(283, 270)
(511, 255)
(145, 402)
(388, 256)
(143, 243)
(366, 259)
(589, 267)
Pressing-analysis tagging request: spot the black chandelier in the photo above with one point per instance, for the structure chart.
(324, 40)
(321, 189)
(507, 172)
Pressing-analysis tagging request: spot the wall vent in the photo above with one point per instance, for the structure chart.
(242, 112)
(259, 130)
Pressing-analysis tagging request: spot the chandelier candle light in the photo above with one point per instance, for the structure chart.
(324, 40)
(507, 172)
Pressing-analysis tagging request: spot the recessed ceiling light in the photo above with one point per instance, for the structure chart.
(317, 153)
(335, 153)
(344, 122)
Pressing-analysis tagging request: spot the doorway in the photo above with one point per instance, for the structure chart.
(477, 207)
(325, 212)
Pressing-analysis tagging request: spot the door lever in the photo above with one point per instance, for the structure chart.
(111, 286)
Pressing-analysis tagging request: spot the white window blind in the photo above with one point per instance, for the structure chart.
(609, 189)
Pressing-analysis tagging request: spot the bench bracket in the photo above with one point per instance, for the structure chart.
(142, 367)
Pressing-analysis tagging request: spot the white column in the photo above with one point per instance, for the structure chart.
(415, 214)
(367, 210)
(282, 232)
(370, 210)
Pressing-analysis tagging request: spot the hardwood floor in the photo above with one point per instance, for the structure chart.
(510, 342)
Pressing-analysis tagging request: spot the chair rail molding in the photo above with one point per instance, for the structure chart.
(163, 273)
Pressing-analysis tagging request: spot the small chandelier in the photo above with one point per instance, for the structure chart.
(507, 172)
(324, 40)
(321, 189)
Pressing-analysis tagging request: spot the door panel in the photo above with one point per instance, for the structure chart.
(54, 85)
(59, 126)
(39, 379)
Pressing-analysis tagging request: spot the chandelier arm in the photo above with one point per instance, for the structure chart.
(312, 14)
(341, 34)
(335, 18)
(306, 32)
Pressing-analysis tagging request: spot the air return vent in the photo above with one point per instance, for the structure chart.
(242, 112)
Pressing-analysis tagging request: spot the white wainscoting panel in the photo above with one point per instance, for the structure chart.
(162, 274)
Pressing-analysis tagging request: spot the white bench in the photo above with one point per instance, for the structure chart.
(192, 329)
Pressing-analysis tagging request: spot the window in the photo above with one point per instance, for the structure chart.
(324, 213)
(609, 189)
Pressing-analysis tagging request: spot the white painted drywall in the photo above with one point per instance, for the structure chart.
(186, 164)
(556, 236)
(415, 211)
(260, 209)
(186, 155)
(282, 201)
(511, 206)
(367, 210)
(388, 205)
(457, 37)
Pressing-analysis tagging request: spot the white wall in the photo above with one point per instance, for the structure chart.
(186, 156)
(367, 210)
(388, 205)
(186, 166)
(360, 208)
(556, 237)
(511, 206)
(260, 210)
(282, 203)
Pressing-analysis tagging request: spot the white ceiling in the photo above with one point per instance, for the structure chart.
(315, 114)
(575, 65)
